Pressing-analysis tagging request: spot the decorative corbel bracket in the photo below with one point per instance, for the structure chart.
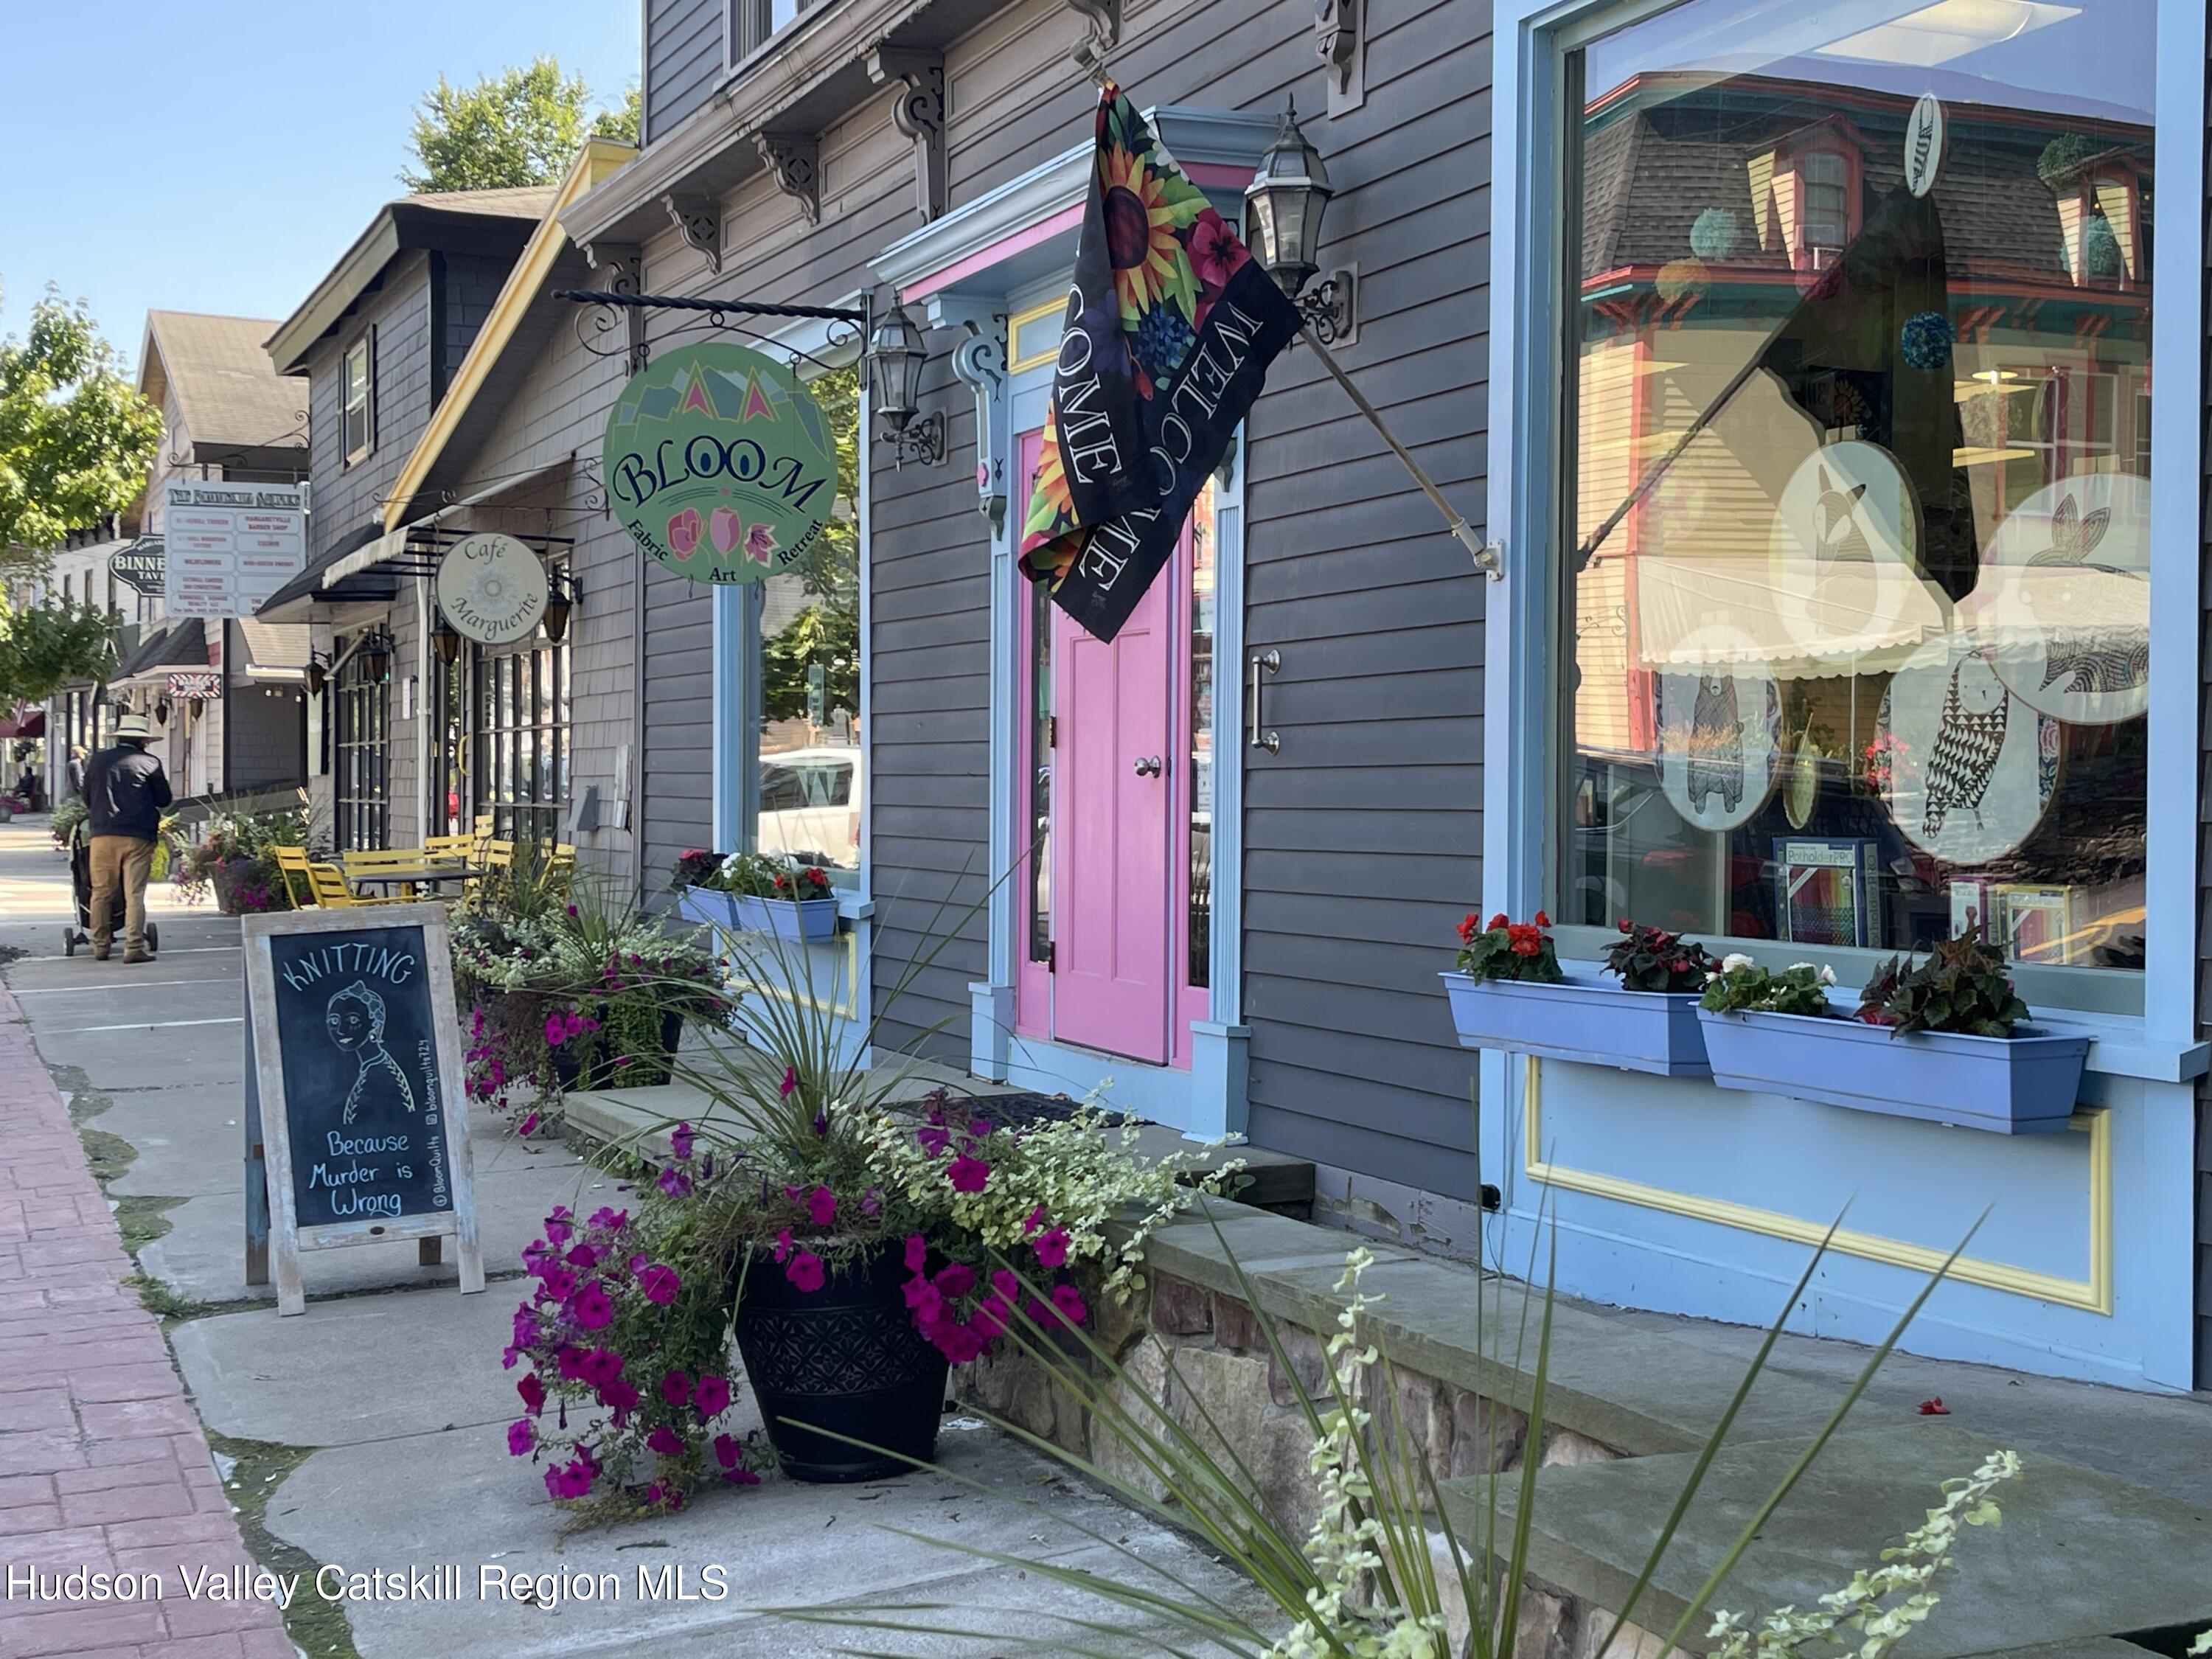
(920, 114)
(1340, 38)
(699, 222)
(619, 268)
(795, 161)
(1103, 20)
(979, 363)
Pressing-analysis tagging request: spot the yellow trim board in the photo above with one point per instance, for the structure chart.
(1015, 322)
(600, 157)
(850, 1008)
(2093, 1293)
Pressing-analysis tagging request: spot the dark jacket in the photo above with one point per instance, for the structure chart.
(125, 791)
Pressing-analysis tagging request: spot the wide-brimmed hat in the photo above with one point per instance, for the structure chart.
(134, 726)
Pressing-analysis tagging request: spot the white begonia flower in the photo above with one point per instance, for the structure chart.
(1734, 960)
(1828, 975)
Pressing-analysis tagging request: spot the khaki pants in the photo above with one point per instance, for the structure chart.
(127, 862)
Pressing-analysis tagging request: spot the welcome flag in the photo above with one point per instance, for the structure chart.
(1171, 325)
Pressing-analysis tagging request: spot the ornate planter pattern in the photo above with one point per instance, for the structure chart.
(1592, 1021)
(2026, 1083)
(847, 1358)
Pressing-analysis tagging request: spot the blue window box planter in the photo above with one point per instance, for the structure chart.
(806, 921)
(1592, 1021)
(2026, 1083)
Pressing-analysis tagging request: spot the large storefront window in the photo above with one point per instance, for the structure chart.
(807, 671)
(361, 716)
(1857, 445)
(522, 739)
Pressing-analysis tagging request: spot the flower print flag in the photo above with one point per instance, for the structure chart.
(1171, 325)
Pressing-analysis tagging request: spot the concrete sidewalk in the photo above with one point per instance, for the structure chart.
(370, 1432)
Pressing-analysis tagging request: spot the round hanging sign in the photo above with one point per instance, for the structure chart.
(492, 589)
(1924, 145)
(720, 463)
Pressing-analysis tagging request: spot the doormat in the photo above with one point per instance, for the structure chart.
(1019, 1111)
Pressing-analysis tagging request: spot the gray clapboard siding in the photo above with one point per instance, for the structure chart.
(348, 498)
(683, 59)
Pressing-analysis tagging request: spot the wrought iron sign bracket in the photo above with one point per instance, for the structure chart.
(1331, 307)
(612, 309)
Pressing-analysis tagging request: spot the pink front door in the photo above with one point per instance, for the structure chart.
(1115, 770)
(1117, 778)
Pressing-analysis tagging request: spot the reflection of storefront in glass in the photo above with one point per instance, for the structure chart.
(522, 738)
(1856, 601)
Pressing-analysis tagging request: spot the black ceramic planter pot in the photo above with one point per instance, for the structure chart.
(644, 1071)
(847, 1358)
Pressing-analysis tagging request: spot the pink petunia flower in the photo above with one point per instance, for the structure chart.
(933, 1140)
(675, 1387)
(619, 1397)
(521, 1438)
(917, 1252)
(967, 1174)
(660, 1283)
(790, 1082)
(557, 1283)
(956, 1279)
(1052, 1247)
(528, 1126)
(599, 1366)
(665, 1441)
(582, 1256)
(1069, 1301)
(1004, 1283)
(569, 1481)
(711, 1394)
(592, 1311)
(781, 1252)
(1034, 1221)
(675, 1182)
(806, 1271)
(533, 1391)
(822, 1206)
(679, 1142)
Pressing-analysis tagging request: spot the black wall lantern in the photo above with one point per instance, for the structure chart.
(318, 674)
(375, 655)
(1282, 206)
(161, 712)
(446, 642)
(560, 596)
(896, 357)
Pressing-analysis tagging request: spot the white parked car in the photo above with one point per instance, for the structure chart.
(810, 802)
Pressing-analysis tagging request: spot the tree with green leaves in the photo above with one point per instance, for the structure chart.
(76, 438)
(44, 647)
(519, 127)
(826, 635)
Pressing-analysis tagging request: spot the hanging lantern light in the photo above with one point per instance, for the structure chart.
(895, 360)
(560, 599)
(1284, 203)
(446, 642)
(376, 656)
(318, 674)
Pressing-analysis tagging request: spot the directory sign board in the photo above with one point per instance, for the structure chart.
(230, 546)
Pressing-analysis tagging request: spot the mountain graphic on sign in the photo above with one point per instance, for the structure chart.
(695, 398)
(756, 405)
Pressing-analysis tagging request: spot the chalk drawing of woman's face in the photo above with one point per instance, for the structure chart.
(350, 1024)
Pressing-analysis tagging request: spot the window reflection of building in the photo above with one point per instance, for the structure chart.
(810, 777)
(1763, 307)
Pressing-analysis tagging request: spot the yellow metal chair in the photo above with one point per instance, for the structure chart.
(560, 865)
(381, 861)
(292, 861)
(332, 893)
(460, 848)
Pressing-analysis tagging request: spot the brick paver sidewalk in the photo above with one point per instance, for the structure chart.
(102, 1464)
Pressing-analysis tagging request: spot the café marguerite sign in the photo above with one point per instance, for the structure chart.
(492, 589)
(720, 465)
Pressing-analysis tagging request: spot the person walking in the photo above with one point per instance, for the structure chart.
(76, 772)
(125, 792)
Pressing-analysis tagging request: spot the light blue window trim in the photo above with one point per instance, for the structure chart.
(1521, 769)
(2141, 1066)
(737, 645)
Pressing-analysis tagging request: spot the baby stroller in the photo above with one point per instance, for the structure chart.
(81, 885)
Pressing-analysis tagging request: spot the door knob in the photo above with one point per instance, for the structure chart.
(1149, 767)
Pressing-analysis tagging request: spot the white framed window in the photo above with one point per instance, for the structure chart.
(357, 389)
(751, 24)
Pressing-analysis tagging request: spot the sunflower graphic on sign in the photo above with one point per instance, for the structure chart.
(720, 463)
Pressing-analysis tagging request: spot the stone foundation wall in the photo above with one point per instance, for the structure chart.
(1202, 1354)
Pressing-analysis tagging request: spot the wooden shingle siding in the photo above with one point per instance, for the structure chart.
(683, 59)
(350, 498)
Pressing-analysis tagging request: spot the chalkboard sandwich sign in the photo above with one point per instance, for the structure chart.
(358, 1080)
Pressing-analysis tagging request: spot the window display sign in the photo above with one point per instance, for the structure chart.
(492, 589)
(720, 465)
(2065, 600)
(1972, 766)
(230, 546)
(1719, 729)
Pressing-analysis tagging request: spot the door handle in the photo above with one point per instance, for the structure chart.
(1148, 766)
(1269, 662)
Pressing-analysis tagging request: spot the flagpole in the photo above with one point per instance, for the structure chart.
(1484, 560)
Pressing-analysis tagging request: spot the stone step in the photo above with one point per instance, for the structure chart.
(2080, 1556)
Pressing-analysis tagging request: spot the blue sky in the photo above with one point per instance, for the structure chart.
(221, 157)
